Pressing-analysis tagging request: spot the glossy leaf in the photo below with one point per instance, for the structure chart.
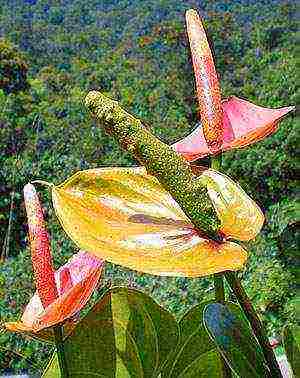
(75, 288)
(244, 123)
(195, 354)
(125, 216)
(126, 334)
(291, 341)
(235, 341)
(207, 365)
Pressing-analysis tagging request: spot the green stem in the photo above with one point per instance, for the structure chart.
(255, 322)
(219, 288)
(245, 303)
(220, 298)
(58, 337)
(216, 163)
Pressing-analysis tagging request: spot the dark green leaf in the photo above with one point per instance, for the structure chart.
(207, 364)
(166, 328)
(126, 334)
(235, 340)
(196, 355)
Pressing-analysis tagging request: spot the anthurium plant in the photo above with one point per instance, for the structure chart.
(166, 217)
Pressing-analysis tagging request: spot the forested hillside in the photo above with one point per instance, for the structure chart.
(53, 52)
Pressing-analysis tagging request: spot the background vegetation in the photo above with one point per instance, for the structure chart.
(53, 52)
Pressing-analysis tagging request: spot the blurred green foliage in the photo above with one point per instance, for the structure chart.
(137, 52)
(13, 69)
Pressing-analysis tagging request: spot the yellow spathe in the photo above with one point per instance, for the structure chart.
(240, 217)
(125, 216)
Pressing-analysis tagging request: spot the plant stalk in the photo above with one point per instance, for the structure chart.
(220, 298)
(245, 303)
(255, 322)
(219, 288)
(216, 163)
(58, 337)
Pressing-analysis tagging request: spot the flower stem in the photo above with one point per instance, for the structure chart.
(216, 163)
(58, 337)
(255, 322)
(220, 298)
(245, 303)
(219, 288)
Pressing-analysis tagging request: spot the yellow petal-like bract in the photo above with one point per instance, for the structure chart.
(240, 217)
(125, 216)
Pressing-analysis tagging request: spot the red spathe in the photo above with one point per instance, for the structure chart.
(244, 123)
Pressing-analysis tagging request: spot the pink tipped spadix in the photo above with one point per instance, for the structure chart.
(207, 83)
(233, 123)
(40, 248)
